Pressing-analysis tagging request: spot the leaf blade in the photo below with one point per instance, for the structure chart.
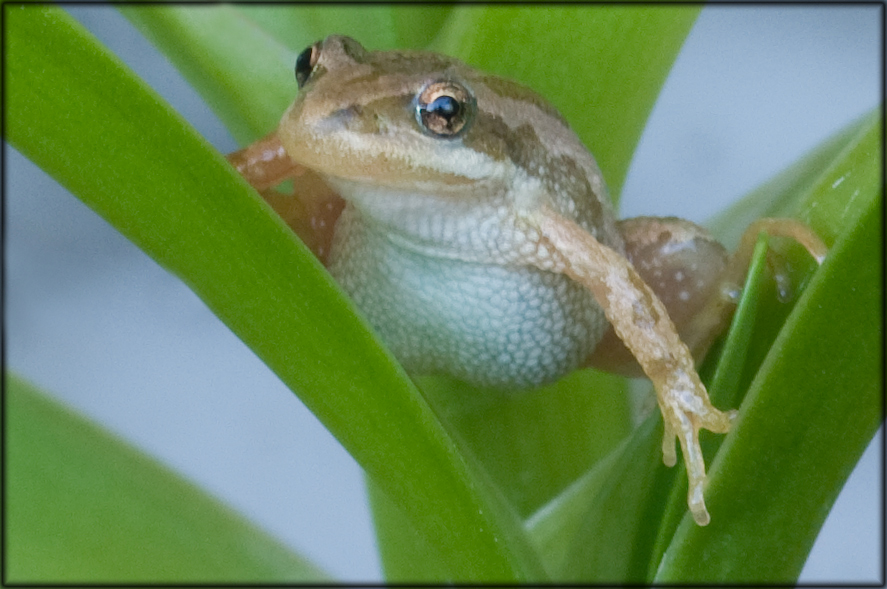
(112, 142)
(783, 477)
(82, 505)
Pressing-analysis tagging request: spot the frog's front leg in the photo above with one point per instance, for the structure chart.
(677, 271)
(641, 321)
(684, 265)
(311, 209)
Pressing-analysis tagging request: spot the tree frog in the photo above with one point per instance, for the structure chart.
(473, 229)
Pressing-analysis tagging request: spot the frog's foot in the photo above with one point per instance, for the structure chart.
(686, 410)
(310, 210)
(264, 164)
(740, 261)
(714, 317)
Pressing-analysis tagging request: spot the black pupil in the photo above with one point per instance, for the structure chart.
(444, 106)
(303, 66)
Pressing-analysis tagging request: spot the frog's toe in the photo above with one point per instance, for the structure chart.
(696, 502)
(717, 421)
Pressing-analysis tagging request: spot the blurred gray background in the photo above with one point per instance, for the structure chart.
(93, 320)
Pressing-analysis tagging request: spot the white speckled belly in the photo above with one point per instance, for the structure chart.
(486, 324)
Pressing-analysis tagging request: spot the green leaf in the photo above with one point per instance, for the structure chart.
(82, 506)
(222, 54)
(793, 447)
(533, 444)
(82, 116)
(554, 527)
(376, 26)
(613, 542)
(405, 554)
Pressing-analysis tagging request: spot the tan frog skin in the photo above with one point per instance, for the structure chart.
(473, 229)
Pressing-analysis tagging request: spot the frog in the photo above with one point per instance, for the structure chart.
(474, 231)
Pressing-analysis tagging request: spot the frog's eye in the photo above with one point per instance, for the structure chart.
(445, 109)
(305, 63)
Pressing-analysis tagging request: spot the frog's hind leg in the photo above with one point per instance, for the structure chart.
(788, 228)
(311, 208)
(714, 317)
(694, 276)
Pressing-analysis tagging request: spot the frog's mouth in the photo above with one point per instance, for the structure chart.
(371, 161)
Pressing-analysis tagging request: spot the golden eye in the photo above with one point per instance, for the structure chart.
(445, 108)
(305, 63)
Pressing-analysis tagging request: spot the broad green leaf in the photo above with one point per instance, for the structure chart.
(528, 443)
(535, 443)
(613, 541)
(83, 117)
(377, 26)
(404, 553)
(554, 527)
(222, 54)
(801, 430)
(82, 506)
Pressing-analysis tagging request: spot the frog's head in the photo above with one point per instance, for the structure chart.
(423, 123)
